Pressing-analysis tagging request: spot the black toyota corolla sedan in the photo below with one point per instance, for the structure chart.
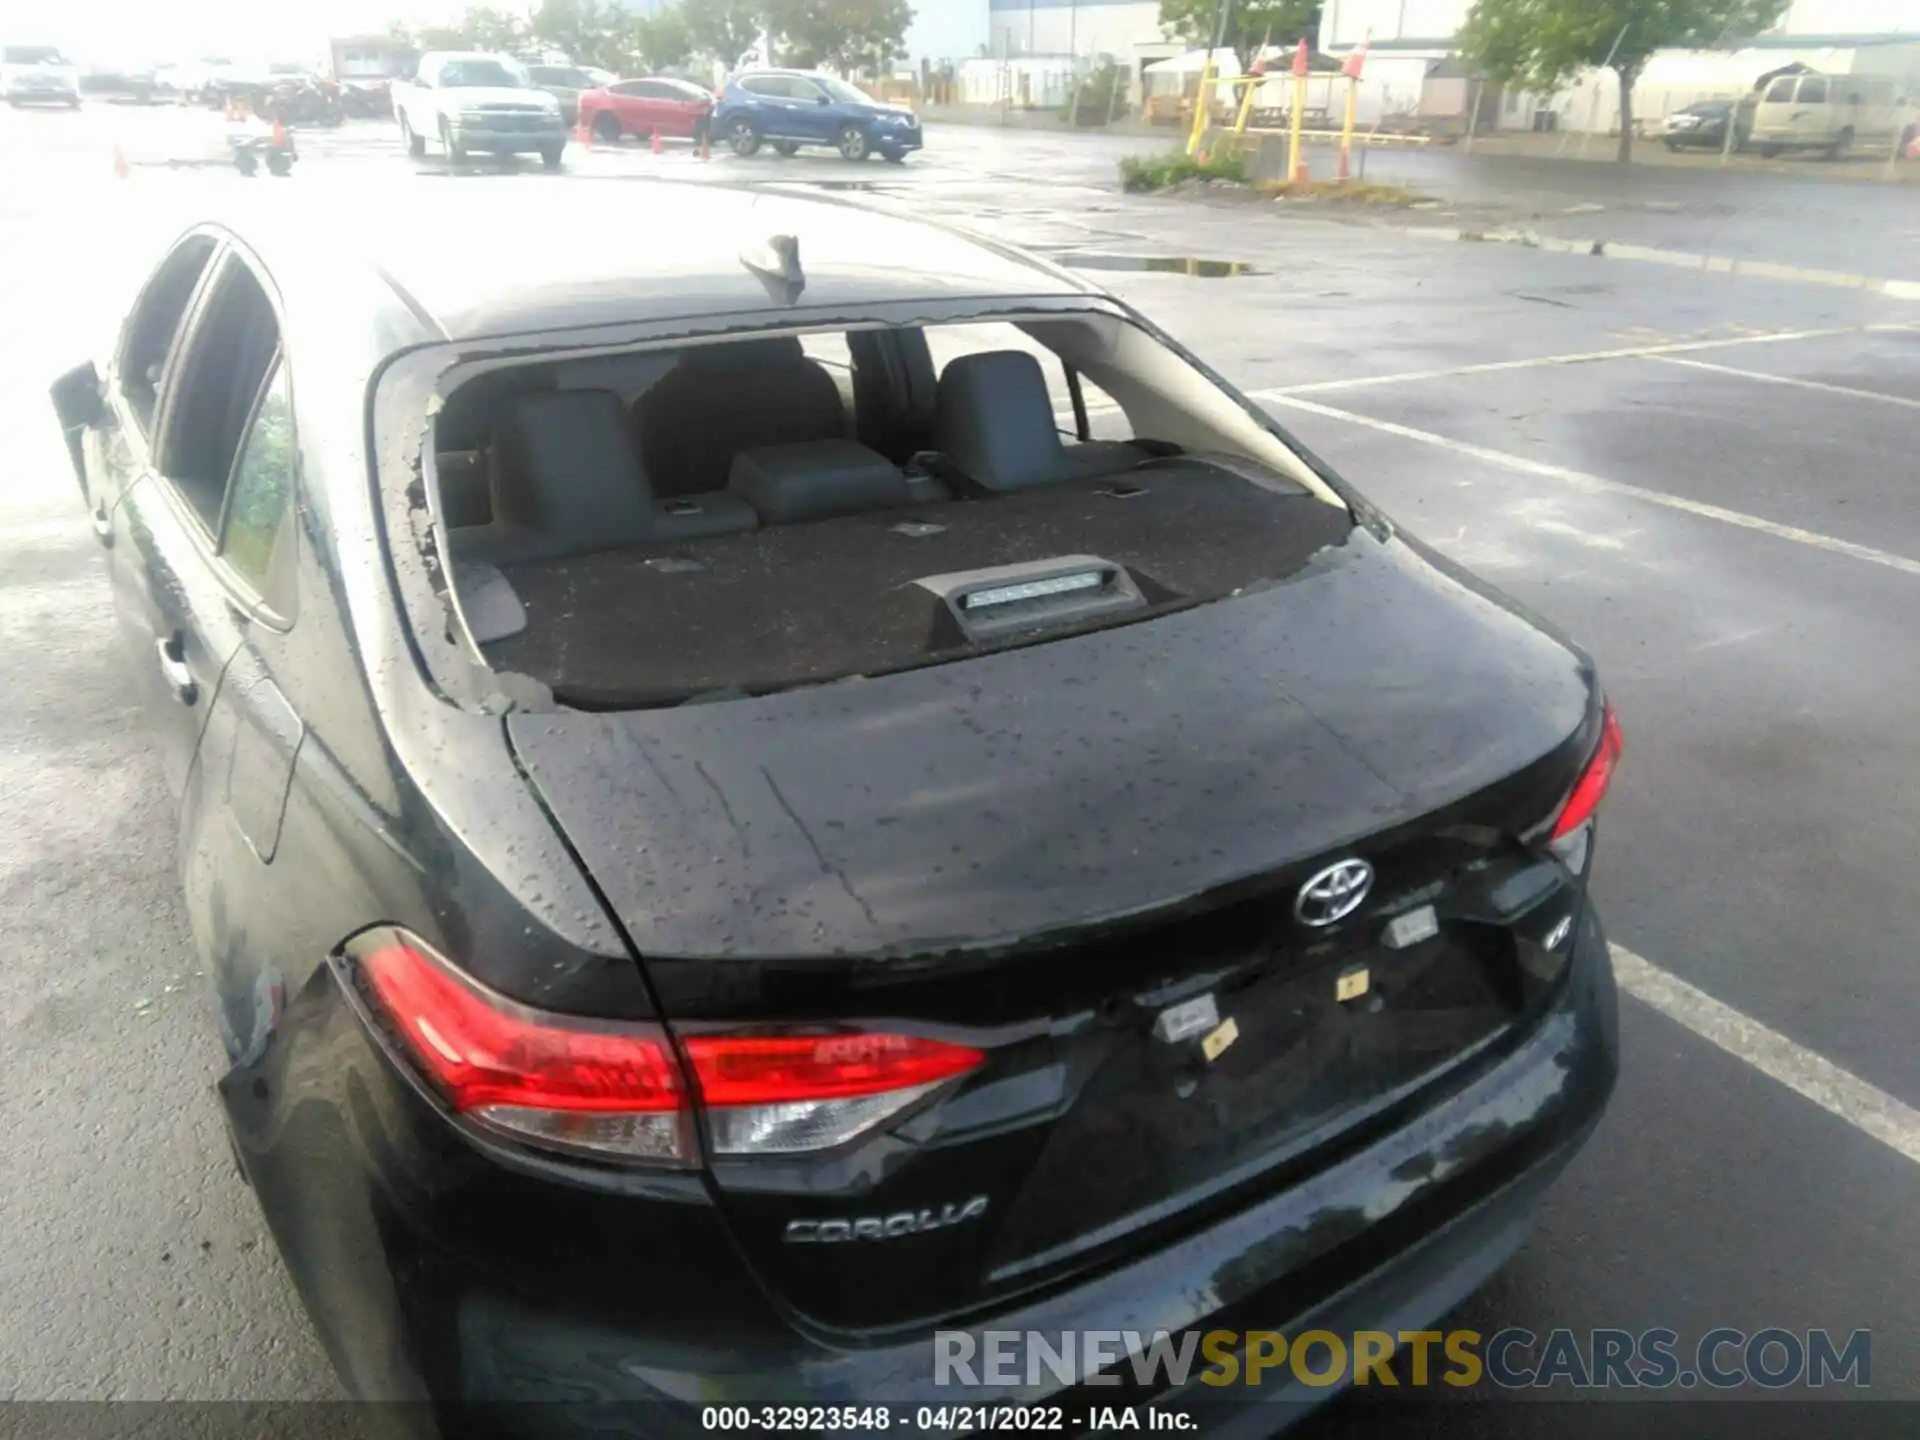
(811, 781)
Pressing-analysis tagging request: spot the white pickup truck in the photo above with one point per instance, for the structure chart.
(475, 102)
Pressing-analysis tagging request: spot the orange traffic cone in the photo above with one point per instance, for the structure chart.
(656, 140)
(121, 169)
(706, 147)
(582, 132)
(279, 134)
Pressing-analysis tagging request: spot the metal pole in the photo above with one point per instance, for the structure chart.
(1473, 113)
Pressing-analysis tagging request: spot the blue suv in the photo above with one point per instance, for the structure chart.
(790, 108)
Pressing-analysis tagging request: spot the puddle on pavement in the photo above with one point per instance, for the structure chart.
(1164, 264)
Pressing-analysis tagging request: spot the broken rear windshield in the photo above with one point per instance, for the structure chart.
(733, 518)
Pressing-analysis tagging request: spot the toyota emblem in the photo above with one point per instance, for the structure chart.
(1334, 893)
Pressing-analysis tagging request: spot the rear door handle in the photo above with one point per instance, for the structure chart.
(102, 526)
(173, 664)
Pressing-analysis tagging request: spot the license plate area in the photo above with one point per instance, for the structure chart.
(1153, 1120)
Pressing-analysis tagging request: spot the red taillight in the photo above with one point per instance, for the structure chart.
(1591, 787)
(616, 1088)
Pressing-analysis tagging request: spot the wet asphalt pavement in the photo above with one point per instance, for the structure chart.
(1733, 529)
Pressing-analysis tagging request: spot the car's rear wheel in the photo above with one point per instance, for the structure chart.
(1674, 146)
(416, 144)
(787, 147)
(744, 136)
(853, 143)
(550, 157)
(1841, 145)
(606, 129)
(1769, 152)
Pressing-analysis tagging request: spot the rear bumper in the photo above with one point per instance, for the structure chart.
(432, 1272)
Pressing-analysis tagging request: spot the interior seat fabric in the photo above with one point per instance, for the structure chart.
(722, 399)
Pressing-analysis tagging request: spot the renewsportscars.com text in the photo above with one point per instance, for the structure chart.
(1510, 1359)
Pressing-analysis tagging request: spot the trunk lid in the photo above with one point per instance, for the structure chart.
(1082, 858)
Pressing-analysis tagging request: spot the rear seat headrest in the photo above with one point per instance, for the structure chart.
(816, 480)
(994, 420)
(565, 469)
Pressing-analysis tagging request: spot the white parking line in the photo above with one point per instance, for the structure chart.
(1600, 485)
(1820, 385)
(1578, 357)
(1839, 1092)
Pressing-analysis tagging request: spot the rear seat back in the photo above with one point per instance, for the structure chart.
(565, 480)
(565, 477)
(993, 418)
(721, 399)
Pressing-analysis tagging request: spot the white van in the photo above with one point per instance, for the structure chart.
(1834, 113)
(38, 74)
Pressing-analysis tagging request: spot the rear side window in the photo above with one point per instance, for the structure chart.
(776, 86)
(260, 499)
(633, 89)
(1813, 92)
(1780, 92)
(213, 394)
(156, 317)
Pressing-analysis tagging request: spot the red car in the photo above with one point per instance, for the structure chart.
(640, 107)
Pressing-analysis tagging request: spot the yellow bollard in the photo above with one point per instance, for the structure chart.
(1346, 132)
(1246, 105)
(1295, 163)
(1200, 107)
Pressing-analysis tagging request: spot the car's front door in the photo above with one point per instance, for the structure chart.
(817, 117)
(186, 620)
(116, 454)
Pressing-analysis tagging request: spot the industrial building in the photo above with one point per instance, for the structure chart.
(1413, 72)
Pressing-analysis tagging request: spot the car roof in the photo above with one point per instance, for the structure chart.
(492, 255)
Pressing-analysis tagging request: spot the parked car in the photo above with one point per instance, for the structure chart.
(474, 102)
(38, 75)
(1703, 124)
(129, 83)
(692, 869)
(674, 108)
(1828, 113)
(564, 83)
(791, 108)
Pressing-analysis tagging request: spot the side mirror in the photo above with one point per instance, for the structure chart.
(80, 406)
(78, 399)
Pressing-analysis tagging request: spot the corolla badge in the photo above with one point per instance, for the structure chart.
(885, 1227)
(1334, 893)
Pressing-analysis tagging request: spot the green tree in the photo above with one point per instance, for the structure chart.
(1251, 24)
(725, 29)
(487, 28)
(848, 35)
(591, 33)
(1539, 45)
(662, 40)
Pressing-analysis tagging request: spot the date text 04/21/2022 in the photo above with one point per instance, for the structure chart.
(942, 1419)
